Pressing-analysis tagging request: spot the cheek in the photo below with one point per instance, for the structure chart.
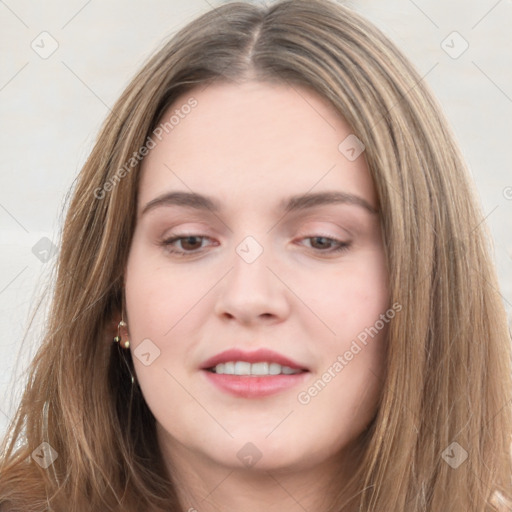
(355, 306)
(166, 306)
(157, 302)
(351, 298)
(158, 299)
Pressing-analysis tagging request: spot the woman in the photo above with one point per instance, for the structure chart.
(274, 290)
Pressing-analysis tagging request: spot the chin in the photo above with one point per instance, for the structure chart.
(257, 454)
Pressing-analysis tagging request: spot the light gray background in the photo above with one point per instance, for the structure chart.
(51, 109)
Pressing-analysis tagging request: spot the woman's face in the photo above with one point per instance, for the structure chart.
(256, 285)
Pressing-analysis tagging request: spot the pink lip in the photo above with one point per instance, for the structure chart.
(256, 356)
(251, 386)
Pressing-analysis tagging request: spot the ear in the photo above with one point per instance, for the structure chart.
(122, 328)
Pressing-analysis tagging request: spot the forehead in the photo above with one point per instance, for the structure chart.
(254, 141)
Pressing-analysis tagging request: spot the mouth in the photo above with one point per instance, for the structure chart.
(252, 369)
(253, 374)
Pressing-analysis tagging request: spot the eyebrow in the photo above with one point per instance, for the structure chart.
(292, 203)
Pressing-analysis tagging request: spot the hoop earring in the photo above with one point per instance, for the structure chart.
(117, 339)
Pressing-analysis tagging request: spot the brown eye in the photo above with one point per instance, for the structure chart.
(321, 242)
(190, 244)
(327, 244)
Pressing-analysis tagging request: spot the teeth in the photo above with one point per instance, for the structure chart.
(274, 369)
(242, 368)
(258, 369)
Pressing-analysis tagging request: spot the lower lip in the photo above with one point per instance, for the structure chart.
(249, 386)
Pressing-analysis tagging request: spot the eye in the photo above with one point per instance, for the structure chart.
(327, 244)
(190, 244)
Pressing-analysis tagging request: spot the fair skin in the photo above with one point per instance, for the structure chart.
(250, 146)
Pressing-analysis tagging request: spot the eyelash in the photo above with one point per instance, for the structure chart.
(342, 246)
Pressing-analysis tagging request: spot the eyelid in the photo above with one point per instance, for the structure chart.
(327, 228)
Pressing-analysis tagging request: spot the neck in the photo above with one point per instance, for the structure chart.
(203, 485)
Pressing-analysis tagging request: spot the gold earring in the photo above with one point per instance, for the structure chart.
(117, 339)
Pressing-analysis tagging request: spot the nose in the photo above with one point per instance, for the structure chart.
(253, 291)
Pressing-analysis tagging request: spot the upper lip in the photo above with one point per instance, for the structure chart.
(254, 356)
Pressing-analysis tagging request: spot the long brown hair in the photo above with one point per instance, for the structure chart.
(441, 437)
